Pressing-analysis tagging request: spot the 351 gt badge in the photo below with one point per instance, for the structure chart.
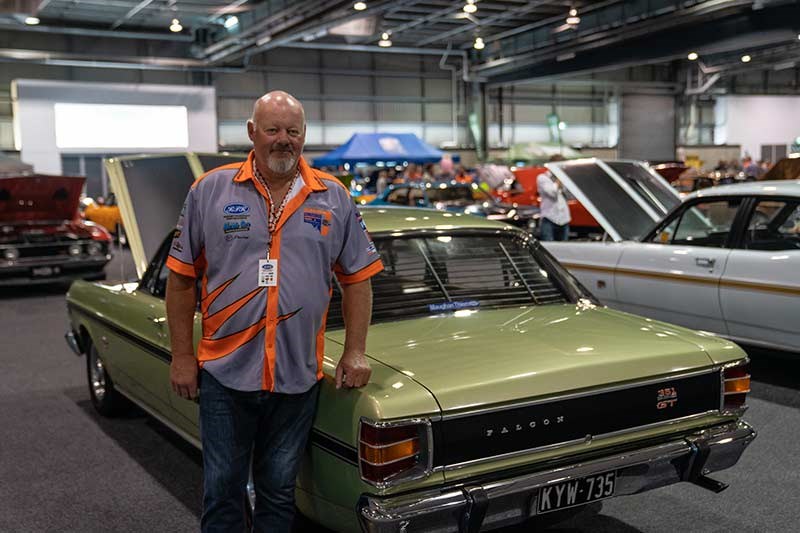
(667, 397)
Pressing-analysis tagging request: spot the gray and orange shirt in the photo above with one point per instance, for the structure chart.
(268, 338)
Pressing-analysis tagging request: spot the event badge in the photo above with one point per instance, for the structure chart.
(267, 272)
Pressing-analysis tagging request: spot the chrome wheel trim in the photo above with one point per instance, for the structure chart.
(97, 375)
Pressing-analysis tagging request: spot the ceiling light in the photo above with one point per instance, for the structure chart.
(692, 56)
(31, 21)
(175, 27)
(562, 125)
(231, 22)
(360, 6)
(478, 44)
(573, 12)
(746, 58)
(470, 7)
(573, 21)
(385, 42)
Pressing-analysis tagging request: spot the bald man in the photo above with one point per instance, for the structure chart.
(265, 238)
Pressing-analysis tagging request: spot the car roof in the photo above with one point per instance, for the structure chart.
(761, 188)
(385, 219)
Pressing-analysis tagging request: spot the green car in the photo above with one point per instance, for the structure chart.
(500, 389)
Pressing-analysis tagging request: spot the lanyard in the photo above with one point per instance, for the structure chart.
(275, 212)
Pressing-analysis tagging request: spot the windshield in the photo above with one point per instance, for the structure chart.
(430, 275)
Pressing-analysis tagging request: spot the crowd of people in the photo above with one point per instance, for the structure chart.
(748, 168)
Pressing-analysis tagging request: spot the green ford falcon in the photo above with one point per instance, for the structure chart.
(500, 391)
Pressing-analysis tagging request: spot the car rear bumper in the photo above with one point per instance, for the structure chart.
(58, 270)
(493, 504)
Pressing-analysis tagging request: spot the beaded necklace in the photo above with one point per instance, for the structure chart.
(275, 212)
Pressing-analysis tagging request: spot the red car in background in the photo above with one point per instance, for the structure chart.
(526, 193)
(42, 238)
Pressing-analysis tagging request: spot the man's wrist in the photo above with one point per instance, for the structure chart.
(184, 356)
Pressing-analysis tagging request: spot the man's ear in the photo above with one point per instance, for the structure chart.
(251, 130)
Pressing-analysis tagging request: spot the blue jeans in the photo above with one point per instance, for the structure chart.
(275, 428)
(550, 231)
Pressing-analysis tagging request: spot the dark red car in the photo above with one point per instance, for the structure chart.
(42, 238)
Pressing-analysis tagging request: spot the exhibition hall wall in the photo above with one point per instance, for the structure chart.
(753, 121)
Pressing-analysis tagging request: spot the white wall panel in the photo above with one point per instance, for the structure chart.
(347, 85)
(531, 113)
(437, 88)
(240, 83)
(436, 134)
(398, 87)
(647, 127)
(342, 110)
(235, 108)
(755, 120)
(524, 133)
(400, 127)
(398, 111)
(295, 84)
(438, 113)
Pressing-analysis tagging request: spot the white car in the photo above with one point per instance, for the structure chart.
(725, 260)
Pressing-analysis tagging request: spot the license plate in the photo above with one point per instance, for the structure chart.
(42, 272)
(576, 492)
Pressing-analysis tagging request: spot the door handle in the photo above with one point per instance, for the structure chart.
(705, 262)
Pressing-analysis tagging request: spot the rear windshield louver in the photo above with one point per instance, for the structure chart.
(427, 275)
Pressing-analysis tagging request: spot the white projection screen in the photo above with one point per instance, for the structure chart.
(110, 126)
(53, 118)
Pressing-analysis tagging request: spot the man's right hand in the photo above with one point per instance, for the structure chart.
(183, 375)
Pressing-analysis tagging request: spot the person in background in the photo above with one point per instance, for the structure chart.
(382, 182)
(554, 211)
(462, 176)
(751, 168)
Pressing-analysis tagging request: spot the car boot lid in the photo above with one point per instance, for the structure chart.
(487, 357)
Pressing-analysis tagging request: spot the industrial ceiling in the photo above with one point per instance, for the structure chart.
(522, 40)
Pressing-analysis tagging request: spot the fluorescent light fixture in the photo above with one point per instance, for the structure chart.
(175, 27)
(360, 6)
(111, 126)
(692, 56)
(470, 7)
(360, 27)
(573, 21)
(385, 42)
(231, 22)
(478, 44)
(573, 12)
(32, 21)
(746, 58)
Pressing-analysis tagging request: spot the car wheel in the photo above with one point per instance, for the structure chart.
(105, 398)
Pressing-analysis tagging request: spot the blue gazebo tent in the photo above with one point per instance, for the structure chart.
(372, 148)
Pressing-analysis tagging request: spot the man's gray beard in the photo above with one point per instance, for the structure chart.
(281, 165)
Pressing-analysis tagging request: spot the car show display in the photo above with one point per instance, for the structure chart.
(724, 260)
(575, 404)
(42, 238)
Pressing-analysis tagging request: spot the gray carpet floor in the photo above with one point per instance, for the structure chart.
(64, 468)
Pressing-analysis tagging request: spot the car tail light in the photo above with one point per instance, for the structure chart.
(390, 452)
(736, 385)
(98, 233)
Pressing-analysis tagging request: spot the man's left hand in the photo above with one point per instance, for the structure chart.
(353, 370)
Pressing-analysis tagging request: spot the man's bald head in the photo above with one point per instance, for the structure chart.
(277, 100)
(278, 131)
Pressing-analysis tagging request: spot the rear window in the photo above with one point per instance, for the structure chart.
(445, 273)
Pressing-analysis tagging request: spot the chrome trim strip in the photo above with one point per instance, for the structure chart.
(152, 412)
(511, 455)
(389, 462)
(595, 392)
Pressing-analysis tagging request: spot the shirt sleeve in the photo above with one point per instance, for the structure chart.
(359, 260)
(186, 255)
(545, 186)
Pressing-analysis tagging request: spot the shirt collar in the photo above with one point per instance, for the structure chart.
(309, 175)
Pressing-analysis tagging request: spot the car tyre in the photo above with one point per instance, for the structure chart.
(105, 397)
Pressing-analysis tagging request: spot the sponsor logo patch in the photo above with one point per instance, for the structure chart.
(318, 219)
(232, 227)
(371, 245)
(236, 209)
